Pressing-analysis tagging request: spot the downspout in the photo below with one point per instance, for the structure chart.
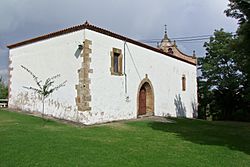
(124, 69)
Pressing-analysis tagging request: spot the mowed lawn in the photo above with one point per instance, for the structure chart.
(26, 141)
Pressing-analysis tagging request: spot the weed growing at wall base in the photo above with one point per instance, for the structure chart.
(45, 89)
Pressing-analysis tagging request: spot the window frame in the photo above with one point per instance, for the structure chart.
(184, 82)
(116, 52)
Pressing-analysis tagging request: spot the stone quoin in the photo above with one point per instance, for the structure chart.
(109, 76)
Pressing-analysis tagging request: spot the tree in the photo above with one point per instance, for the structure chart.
(3, 89)
(240, 10)
(224, 85)
(46, 89)
(221, 78)
(204, 98)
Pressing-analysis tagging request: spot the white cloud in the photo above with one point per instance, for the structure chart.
(3, 72)
(3, 58)
(4, 75)
(138, 19)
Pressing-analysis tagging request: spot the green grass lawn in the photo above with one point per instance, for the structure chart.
(26, 141)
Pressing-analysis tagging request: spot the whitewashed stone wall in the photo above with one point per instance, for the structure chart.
(165, 73)
(109, 101)
(47, 58)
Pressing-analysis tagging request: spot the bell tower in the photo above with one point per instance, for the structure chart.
(166, 44)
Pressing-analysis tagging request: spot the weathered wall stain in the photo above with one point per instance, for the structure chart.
(92, 94)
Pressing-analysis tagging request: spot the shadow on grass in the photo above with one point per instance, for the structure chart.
(235, 136)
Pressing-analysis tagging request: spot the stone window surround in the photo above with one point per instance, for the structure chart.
(112, 55)
(183, 82)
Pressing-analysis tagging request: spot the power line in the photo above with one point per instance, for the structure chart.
(198, 36)
(193, 39)
(183, 39)
(188, 42)
(180, 38)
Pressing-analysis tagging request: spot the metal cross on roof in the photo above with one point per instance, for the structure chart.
(165, 29)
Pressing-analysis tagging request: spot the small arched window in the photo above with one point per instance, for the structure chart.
(183, 80)
(170, 50)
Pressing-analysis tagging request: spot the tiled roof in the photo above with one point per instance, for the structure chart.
(86, 25)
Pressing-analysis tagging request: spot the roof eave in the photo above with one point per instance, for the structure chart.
(100, 30)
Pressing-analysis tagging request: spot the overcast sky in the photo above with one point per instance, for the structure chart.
(137, 19)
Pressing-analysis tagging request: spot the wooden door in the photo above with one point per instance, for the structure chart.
(142, 102)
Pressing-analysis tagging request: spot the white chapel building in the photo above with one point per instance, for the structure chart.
(109, 76)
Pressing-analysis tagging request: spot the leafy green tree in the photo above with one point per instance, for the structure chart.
(224, 86)
(221, 77)
(46, 89)
(240, 10)
(3, 89)
(204, 98)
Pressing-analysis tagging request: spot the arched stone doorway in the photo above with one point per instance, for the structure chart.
(145, 100)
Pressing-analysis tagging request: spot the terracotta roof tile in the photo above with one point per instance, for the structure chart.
(86, 25)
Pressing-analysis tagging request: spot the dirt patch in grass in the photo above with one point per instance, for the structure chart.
(119, 126)
(4, 121)
(157, 119)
